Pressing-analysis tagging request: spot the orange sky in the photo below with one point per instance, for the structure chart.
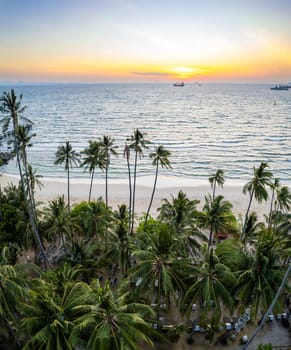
(136, 41)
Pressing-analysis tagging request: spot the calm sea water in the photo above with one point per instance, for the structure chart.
(229, 126)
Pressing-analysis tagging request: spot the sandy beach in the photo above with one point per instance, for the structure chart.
(167, 186)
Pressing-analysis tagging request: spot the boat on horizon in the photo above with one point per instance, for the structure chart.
(179, 84)
(281, 87)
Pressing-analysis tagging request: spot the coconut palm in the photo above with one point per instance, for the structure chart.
(118, 248)
(108, 149)
(137, 144)
(57, 221)
(109, 322)
(283, 200)
(160, 157)
(95, 219)
(48, 317)
(93, 157)
(180, 213)
(256, 188)
(66, 155)
(126, 154)
(12, 290)
(217, 215)
(160, 271)
(261, 275)
(210, 285)
(13, 110)
(216, 179)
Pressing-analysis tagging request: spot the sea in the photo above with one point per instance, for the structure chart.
(233, 127)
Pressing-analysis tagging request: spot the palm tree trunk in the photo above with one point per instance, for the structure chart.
(133, 193)
(130, 195)
(106, 186)
(68, 177)
(91, 184)
(210, 236)
(247, 215)
(29, 210)
(271, 209)
(214, 188)
(154, 189)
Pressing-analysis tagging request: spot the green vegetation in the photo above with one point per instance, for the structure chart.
(97, 278)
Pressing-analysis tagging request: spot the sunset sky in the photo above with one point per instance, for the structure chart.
(145, 40)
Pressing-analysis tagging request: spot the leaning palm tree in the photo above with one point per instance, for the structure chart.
(13, 110)
(160, 157)
(138, 143)
(68, 156)
(107, 147)
(256, 187)
(275, 187)
(92, 159)
(216, 179)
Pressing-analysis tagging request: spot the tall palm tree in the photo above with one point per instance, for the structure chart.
(107, 147)
(160, 157)
(66, 155)
(256, 187)
(92, 158)
(126, 154)
(217, 215)
(13, 110)
(137, 144)
(216, 179)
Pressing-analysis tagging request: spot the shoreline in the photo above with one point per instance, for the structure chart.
(118, 192)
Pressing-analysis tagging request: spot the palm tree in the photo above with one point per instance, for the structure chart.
(13, 110)
(138, 143)
(12, 290)
(160, 157)
(92, 158)
(57, 220)
(180, 213)
(158, 273)
(118, 247)
(256, 187)
(48, 316)
(126, 154)
(210, 284)
(107, 147)
(217, 215)
(109, 322)
(68, 156)
(260, 277)
(216, 179)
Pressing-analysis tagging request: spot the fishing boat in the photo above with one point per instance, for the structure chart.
(179, 84)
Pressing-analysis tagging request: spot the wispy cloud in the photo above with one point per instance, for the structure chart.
(154, 74)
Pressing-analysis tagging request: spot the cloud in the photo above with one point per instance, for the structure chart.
(156, 74)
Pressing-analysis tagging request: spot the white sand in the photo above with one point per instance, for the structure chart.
(118, 191)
